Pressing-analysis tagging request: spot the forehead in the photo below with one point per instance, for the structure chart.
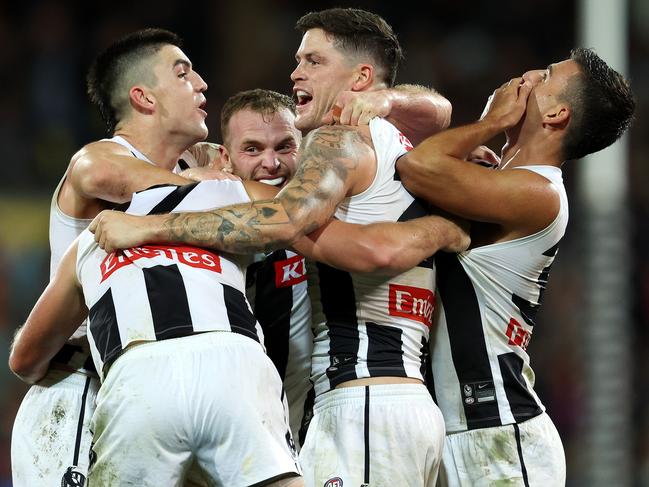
(169, 55)
(249, 124)
(316, 40)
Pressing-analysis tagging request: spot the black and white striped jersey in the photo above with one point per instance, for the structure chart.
(64, 229)
(156, 292)
(277, 290)
(371, 325)
(488, 298)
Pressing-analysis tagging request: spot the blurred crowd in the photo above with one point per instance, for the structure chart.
(463, 49)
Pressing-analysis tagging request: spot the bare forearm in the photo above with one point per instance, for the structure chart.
(387, 248)
(419, 111)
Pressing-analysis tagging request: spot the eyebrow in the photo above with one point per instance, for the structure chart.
(184, 62)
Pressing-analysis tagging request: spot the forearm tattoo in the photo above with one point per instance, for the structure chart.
(325, 162)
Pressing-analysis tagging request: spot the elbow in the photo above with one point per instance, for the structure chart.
(414, 173)
(23, 368)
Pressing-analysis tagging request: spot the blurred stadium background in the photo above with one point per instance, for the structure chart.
(591, 346)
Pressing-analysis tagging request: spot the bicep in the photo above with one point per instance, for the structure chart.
(331, 163)
(513, 197)
(109, 174)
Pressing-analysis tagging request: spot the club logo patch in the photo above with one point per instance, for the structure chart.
(73, 478)
(334, 482)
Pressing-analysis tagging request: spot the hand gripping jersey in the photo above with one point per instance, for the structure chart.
(369, 325)
(156, 292)
(488, 299)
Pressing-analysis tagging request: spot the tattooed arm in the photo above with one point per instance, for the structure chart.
(334, 162)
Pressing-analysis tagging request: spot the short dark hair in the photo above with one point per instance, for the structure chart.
(265, 102)
(359, 32)
(601, 103)
(118, 66)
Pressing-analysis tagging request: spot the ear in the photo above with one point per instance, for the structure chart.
(141, 99)
(225, 155)
(557, 117)
(364, 77)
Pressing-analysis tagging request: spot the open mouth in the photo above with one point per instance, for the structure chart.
(273, 182)
(302, 98)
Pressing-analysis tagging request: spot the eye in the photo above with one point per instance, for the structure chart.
(251, 150)
(182, 74)
(312, 62)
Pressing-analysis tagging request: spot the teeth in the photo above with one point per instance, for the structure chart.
(273, 182)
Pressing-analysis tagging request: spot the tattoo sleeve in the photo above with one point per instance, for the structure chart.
(327, 162)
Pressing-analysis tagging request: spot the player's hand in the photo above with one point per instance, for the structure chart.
(205, 173)
(116, 230)
(359, 107)
(507, 104)
(208, 154)
(458, 234)
(484, 156)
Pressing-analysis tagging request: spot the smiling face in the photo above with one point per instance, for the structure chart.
(179, 97)
(322, 72)
(262, 147)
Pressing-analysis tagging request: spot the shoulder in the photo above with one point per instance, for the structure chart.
(342, 138)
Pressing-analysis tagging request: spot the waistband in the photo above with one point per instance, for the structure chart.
(384, 392)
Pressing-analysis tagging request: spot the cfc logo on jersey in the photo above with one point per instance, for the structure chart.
(413, 303)
(191, 256)
(290, 271)
(334, 482)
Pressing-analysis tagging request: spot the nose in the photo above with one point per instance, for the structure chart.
(534, 77)
(298, 73)
(200, 83)
(270, 162)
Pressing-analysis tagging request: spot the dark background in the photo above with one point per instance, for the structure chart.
(464, 49)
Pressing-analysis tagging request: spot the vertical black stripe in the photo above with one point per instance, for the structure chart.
(168, 301)
(417, 209)
(339, 306)
(77, 443)
(467, 342)
(272, 308)
(519, 447)
(241, 319)
(182, 164)
(427, 368)
(521, 402)
(173, 199)
(103, 327)
(384, 350)
(366, 432)
(308, 414)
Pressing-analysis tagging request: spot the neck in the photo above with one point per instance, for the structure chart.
(531, 144)
(163, 150)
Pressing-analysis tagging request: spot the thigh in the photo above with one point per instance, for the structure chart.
(397, 440)
(51, 436)
(139, 429)
(528, 454)
(244, 433)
